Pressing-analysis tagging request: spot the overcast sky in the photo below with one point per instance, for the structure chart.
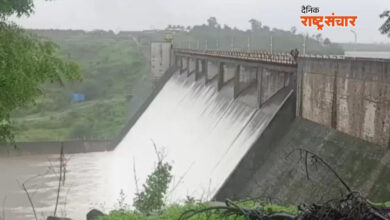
(119, 15)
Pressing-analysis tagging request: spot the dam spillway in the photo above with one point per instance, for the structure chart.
(203, 133)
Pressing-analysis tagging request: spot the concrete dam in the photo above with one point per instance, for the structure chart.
(335, 106)
(227, 122)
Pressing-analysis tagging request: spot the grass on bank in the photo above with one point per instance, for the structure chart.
(175, 211)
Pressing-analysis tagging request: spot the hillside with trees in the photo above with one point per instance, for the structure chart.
(110, 65)
(213, 35)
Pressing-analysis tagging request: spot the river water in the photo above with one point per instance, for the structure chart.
(201, 132)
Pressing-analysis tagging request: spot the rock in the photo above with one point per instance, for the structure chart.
(94, 214)
(57, 218)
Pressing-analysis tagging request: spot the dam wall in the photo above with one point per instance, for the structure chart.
(258, 153)
(343, 115)
(160, 58)
(276, 171)
(342, 106)
(346, 94)
(349, 95)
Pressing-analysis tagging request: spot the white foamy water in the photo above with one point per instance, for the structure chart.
(203, 134)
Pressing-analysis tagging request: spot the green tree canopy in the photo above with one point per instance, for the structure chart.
(26, 62)
(255, 24)
(385, 28)
(212, 22)
(18, 7)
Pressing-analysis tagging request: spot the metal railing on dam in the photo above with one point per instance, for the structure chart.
(259, 56)
(268, 57)
(263, 73)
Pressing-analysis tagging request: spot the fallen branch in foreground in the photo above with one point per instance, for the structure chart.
(352, 206)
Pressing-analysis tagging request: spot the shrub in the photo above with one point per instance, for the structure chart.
(151, 199)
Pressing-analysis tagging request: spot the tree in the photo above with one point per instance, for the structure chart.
(385, 28)
(18, 7)
(151, 199)
(293, 29)
(255, 24)
(226, 27)
(318, 36)
(26, 62)
(212, 22)
(327, 41)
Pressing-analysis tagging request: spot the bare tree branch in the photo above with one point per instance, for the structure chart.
(317, 158)
(60, 181)
(30, 200)
(158, 154)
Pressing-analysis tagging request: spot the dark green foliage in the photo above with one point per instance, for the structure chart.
(26, 63)
(80, 131)
(18, 7)
(171, 213)
(385, 28)
(255, 24)
(232, 210)
(352, 207)
(151, 199)
(174, 212)
(327, 41)
(250, 210)
(212, 22)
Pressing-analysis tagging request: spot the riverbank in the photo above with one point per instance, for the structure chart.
(183, 211)
(53, 147)
(258, 210)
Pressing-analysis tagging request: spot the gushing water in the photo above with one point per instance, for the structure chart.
(202, 132)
